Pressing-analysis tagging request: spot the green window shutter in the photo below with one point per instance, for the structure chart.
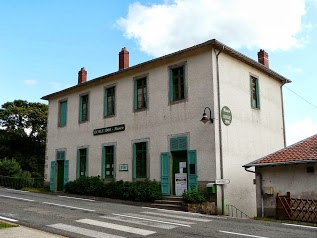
(165, 173)
(171, 86)
(178, 143)
(135, 95)
(63, 113)
(52, 176)
(80, 109)
(103, 163)
(192, 169)
(106, 104)
(78, 164)
(86, 170)
(134, 160)
(146, 159)
(66, 171)
(257, 93)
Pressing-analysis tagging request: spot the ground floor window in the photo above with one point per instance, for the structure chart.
(82, 163)
(108, 162)
(140, 160)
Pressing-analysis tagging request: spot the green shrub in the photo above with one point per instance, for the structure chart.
(194, 196)
(10, 168)
(84, 186)
(146, 191)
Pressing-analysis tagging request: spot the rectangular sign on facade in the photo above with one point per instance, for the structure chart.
(110, 129)
(180, 183)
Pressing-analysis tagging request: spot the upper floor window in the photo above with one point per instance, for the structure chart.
(255, 92)
(109, 102)
(140, 93)
(177, 83)
(84, 108)
(62, 119)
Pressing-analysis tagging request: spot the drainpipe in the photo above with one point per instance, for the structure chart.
(220, 132)
(282, 100)
(261, 189)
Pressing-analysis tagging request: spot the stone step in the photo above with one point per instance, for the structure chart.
(165, 201)
(168, 206)
(174, 198)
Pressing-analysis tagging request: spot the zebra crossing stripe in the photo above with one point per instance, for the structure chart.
(140, 222)
(83, 231)
(175, 216)
(149, 219)
(113, 226)
(164, 219)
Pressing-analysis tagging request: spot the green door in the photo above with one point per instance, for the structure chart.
(52, 177)
(165, 173)
(192, 169)
(60, 175)
(66, 171)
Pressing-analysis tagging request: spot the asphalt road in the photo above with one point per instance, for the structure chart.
(77, 217)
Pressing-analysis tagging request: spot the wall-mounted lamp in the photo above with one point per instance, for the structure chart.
(205, 119)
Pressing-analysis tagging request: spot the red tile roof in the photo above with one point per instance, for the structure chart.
(304, 151)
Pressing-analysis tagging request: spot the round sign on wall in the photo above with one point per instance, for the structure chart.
(226, 115)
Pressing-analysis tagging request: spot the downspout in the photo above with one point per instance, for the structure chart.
(261, 189)
(283, 117)
(220, 131)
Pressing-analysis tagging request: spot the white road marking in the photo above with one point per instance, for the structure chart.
(160, 218)
(84, 199)
(83, 231)
(136, 220)
(179, 217)
(154, 220)
(240, 234)
(113, 226)
(23, 199)
(185, 213)
(10, 189)
(61, 205)
(8, 219)
(287, 224)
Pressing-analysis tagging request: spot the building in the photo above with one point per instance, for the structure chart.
(289, 170)
(143, 122)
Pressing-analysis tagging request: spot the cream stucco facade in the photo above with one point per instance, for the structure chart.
(208, 67)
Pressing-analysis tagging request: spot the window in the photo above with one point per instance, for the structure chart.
(62, 113)
(83, 108)
(255, 94)
(60, 155)
(140, 94)
(177, 83)
(109, 101)
(82, 162)
(140, 160)
(108, 162)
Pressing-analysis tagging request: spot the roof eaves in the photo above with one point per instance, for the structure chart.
(279, 163)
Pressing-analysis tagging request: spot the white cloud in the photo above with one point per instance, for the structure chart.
(300, 130)
(175, 24)
(293, 69)
(30, 82)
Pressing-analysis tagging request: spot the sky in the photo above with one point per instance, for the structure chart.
(43, 44)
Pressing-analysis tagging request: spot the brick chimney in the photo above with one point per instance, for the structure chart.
(123, 59)
(82, 75)
(263, 58)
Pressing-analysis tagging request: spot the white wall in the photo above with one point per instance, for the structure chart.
(288, 178)
(252, 134)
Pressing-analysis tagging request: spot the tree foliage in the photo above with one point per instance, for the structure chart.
(23, 134)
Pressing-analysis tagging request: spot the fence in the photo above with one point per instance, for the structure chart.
(19, 183)
(232, 211)
(296, 209)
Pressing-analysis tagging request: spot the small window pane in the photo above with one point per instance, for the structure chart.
(141, 162)
(109, 163)
(178, 83)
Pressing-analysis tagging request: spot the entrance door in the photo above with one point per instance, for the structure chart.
(179, 165)
(60, 175)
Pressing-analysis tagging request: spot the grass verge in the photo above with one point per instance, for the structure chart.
(37, 190)
(6, 225)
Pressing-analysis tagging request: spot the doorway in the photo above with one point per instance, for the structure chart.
(60, 175)
(179, 166)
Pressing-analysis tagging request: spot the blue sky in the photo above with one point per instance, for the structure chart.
(43, 44)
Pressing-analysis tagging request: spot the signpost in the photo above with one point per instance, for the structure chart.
(222, 181)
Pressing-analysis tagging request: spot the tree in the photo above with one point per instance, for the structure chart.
(23, 134)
